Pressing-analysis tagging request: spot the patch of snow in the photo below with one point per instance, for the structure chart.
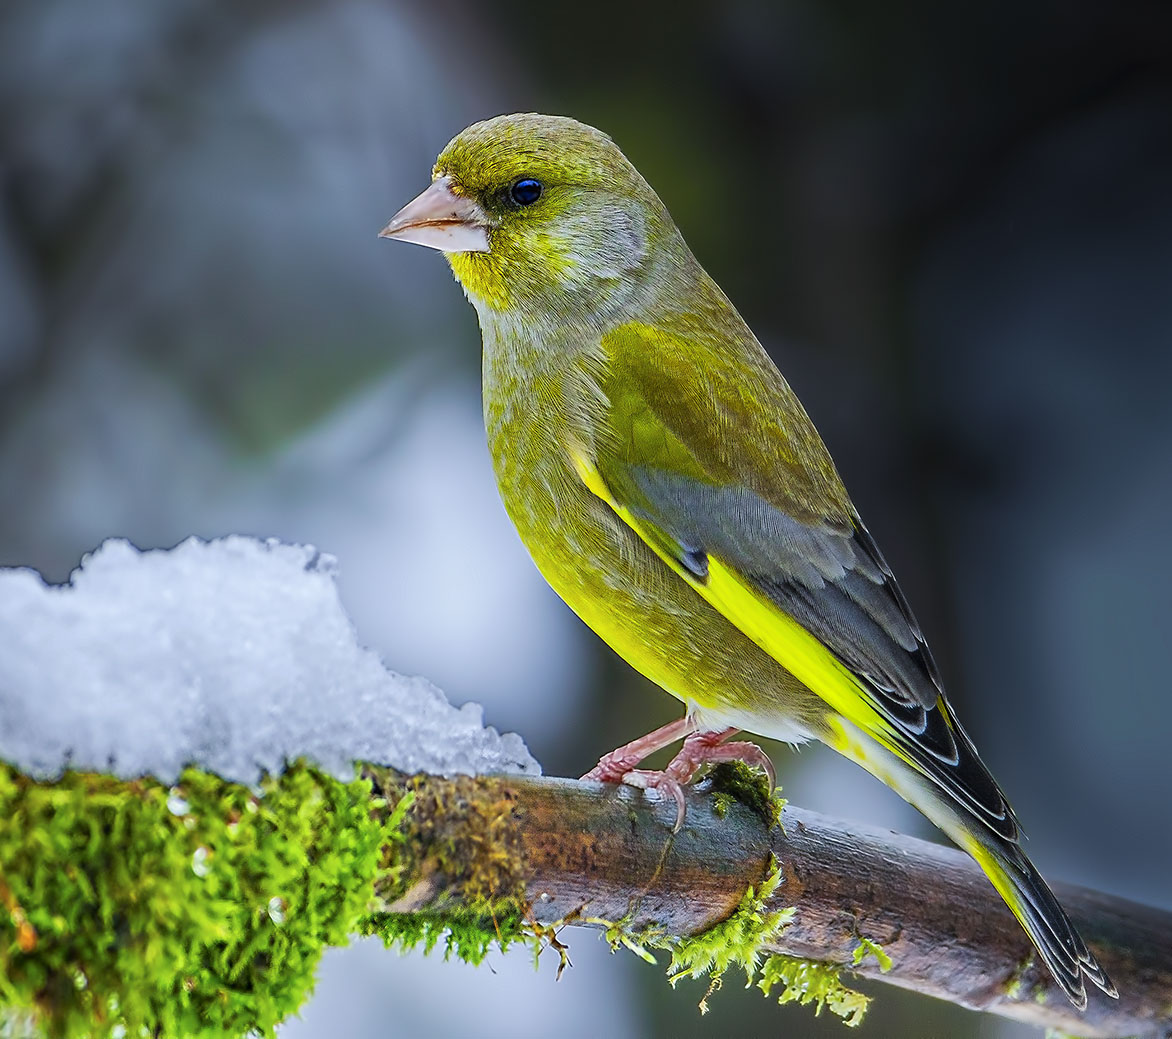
(234, 655)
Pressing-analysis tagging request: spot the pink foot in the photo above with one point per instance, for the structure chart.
(703, 748)
(665, 783)
(613, 766)
(699, 749)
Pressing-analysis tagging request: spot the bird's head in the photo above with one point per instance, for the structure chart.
(538, 216)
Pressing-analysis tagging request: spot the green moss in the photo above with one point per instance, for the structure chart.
(866, 948)
(740, 941)
(128, 908)
(735, 781)
(818, 983)
(459, 836)
(465, 935)
(735, 942)
(1015, 982)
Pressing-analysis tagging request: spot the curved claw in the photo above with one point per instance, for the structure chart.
(647, 779)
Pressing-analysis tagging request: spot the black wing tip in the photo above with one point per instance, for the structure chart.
(1061, 947)
(1073, 985)
(1076, 992)
(1092, 969)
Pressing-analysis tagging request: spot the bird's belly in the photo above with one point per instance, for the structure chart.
(646, 613)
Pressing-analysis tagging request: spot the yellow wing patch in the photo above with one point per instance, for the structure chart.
(791, 645)
(588, 473)
(783, 638)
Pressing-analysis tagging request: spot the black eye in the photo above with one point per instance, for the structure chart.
(526, 191)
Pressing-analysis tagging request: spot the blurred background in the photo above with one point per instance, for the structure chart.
(951, 225)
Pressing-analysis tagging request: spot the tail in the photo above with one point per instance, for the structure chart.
(1037, 910)
(962, 798)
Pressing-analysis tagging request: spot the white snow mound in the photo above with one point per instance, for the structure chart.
(234, 655)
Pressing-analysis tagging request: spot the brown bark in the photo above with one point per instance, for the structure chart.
(607, 852)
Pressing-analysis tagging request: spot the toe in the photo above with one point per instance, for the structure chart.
(663, 782)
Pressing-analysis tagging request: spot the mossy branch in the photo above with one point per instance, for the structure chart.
(137, 909)
(901, 910)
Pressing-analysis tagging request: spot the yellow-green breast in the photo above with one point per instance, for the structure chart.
(533, 404)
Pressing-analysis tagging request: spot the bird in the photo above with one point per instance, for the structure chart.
(671, 488)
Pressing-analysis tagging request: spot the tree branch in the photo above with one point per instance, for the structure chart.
(589, 852)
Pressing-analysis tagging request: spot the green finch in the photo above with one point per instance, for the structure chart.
(673, 491)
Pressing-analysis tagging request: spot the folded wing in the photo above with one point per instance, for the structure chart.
(753, 515)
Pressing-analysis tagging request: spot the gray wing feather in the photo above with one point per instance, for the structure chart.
(836, 586)
(832, 580)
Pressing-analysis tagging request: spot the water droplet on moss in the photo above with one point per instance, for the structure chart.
(199, 862)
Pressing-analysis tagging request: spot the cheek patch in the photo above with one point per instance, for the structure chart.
(607, 242)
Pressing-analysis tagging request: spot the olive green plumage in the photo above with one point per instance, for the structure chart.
(673, 491)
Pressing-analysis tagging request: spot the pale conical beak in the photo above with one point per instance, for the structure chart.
(441, 219)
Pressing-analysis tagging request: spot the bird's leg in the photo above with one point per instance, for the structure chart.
(700, 748)
(619, 765)
(612, 767)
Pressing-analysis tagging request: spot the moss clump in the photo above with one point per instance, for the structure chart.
(735, 942)
(128, 908)
(459, 839)
(818, 983)
(866, 948)
(1016, 980)
(739, 941)
(732, 781)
